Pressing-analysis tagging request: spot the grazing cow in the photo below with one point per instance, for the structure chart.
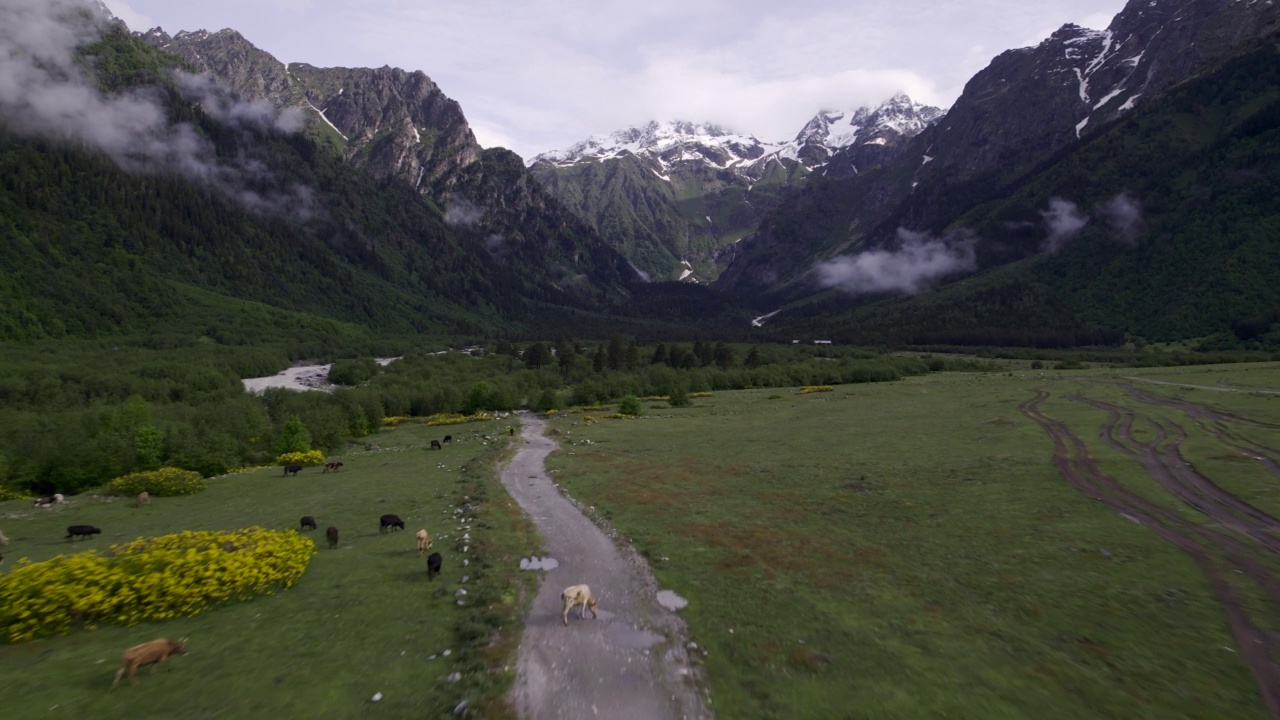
(81, 530)
(433, 565)
(332, 466)
(448, 439)
(291, 469)
(50, 501)
(332, 534)
(424, 542)
(577, 595)
(389, 521)
(144, 498)
(148, 653)
(308, 522)
(435, 445)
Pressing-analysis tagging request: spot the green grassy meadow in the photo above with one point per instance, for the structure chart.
(363, 619)
(909, 550)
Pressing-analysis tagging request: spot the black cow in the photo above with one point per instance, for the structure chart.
(81, 530)
(433, 565)
(448, 439)
(292, 469)
(332, 534)
(435, 445)
(308, 522)
(389, 521)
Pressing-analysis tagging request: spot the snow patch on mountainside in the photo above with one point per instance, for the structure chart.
(671, 143)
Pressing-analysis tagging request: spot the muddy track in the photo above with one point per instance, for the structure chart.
(1219, 424)
(630, 663)
(1216, 552)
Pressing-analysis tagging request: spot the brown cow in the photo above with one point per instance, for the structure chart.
(148, 653)
(332, 534)
(332, 466)
(144, 498)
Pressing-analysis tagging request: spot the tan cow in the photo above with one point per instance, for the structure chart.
(424, 542)
(577, 595)
(148, 653)
(144, 498)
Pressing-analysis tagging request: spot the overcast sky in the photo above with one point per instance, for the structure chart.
(538, 75)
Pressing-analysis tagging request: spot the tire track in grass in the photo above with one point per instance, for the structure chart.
(1214, 553)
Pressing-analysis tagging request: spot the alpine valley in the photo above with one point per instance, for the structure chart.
(1103, 184)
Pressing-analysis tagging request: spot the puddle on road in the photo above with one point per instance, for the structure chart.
(671, 601)
(629, 637)
(537, 563)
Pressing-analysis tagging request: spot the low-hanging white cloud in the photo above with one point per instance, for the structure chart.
(1124, 214)
(1063, 221)
(219, 102)
(918, 261)
(45, 93)
(462, 213)
(131, 17)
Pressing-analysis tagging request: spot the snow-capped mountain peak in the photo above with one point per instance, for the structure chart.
(672, 141)
(836, 130)
(682, 141)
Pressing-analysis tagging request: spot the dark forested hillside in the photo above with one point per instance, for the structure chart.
(93, 245)
(1175, 232)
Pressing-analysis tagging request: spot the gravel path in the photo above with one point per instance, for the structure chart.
(630, 662)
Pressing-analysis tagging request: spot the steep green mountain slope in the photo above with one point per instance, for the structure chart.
(1181, 205)
(270, 216)
(660, 224)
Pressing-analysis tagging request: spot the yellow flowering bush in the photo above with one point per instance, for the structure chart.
(588, 419)
(437, 419)
(654, 398)
(704, 393)
(8, 493)
(165, 482)
(245, 469)
(551, 413)
(310, 457)
(457, 419)
(148, 579)
(807, 389)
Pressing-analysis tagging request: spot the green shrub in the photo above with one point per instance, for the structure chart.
(630, 405)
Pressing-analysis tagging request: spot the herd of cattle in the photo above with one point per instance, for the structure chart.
(157, 651)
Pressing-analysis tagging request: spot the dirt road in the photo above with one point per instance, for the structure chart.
(628, 664)
(1235, 541)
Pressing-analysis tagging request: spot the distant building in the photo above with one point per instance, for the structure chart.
(821, 342)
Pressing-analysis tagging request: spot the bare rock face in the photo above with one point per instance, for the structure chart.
(389, 122)
(398, 126)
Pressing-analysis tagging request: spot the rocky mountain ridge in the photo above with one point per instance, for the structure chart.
(1024, 107)
(672, 196)
(399, 126)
